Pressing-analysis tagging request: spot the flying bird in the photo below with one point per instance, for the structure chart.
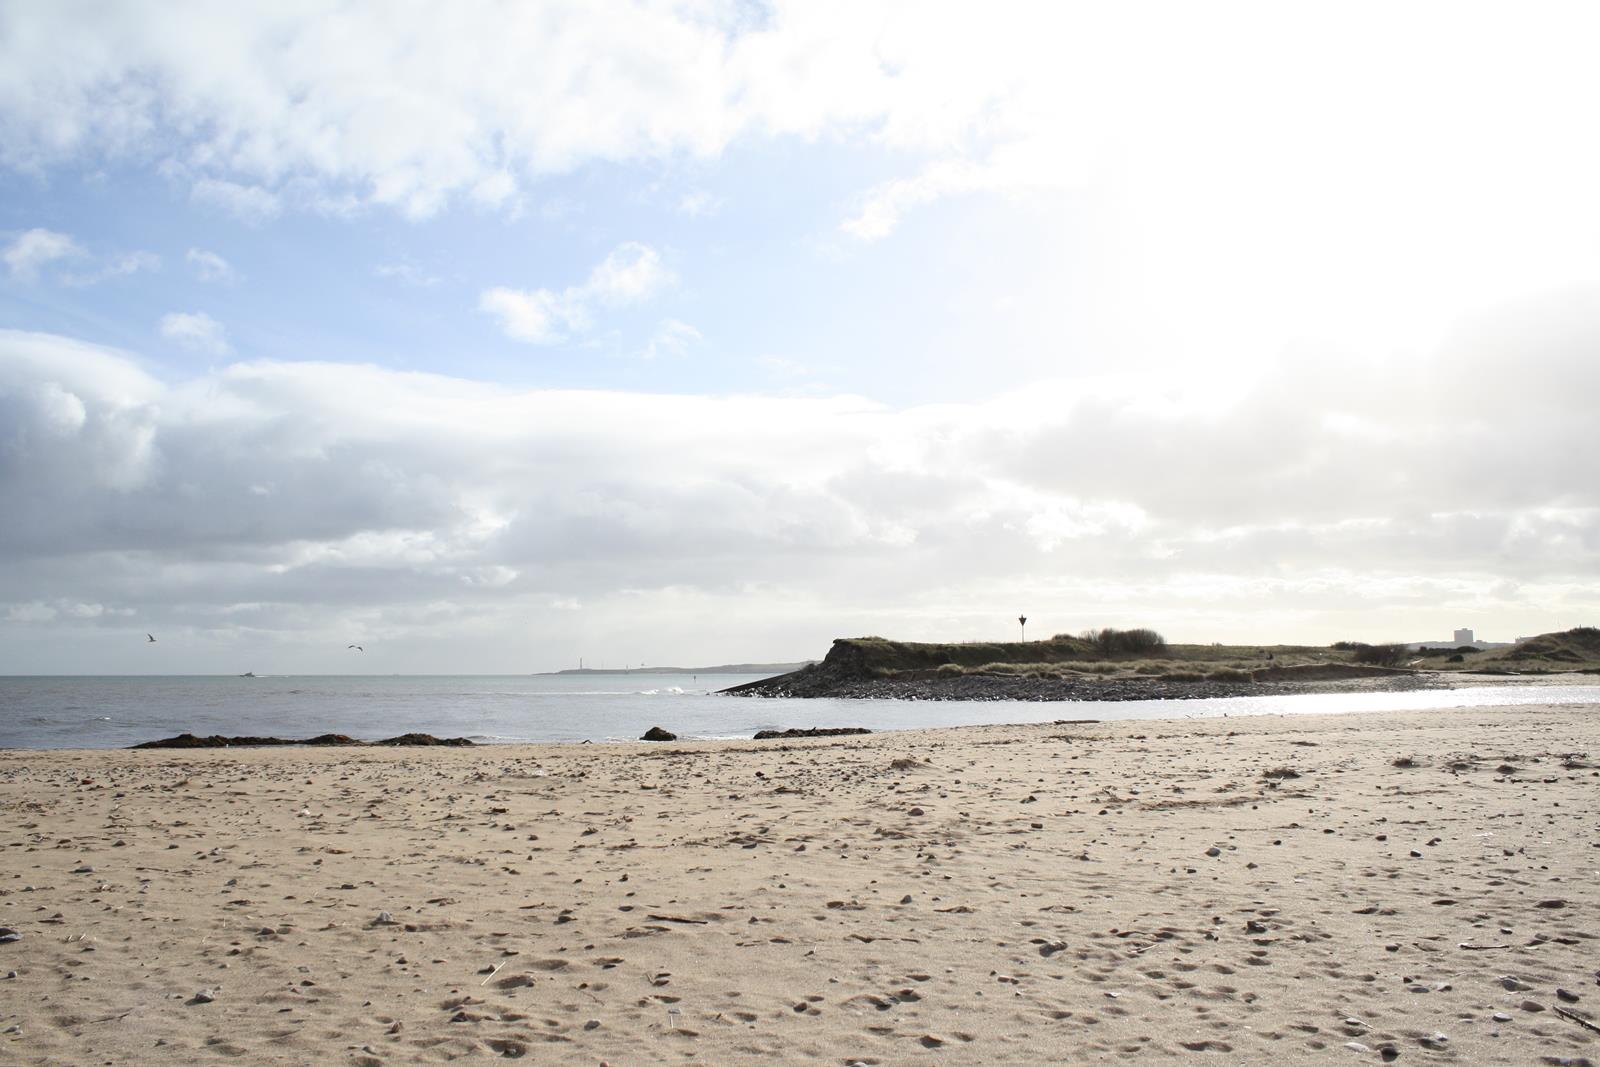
(150, 639)
(358, 648)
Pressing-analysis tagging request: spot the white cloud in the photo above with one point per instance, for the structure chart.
(699, 204)
(249, 203)
(630, 274)
(195, 330)
(32, 249)
(210, 267)
(1200, 510)
(407, 273)
(114, 267)
(672, 338)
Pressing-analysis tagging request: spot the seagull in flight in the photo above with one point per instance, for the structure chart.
(150, 639)
(358, 648)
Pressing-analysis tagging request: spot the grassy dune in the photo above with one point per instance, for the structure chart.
(1067, 656)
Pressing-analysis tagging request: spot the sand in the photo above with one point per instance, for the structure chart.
(1235, 891)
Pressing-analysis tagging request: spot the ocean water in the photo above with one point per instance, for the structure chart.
(111, 712)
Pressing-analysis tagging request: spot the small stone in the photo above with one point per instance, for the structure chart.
(1568, 996)
(1388, 1053)
(592, 1024)
(1500, 1017)
(205, 996)
(907, 899)
(1213, 852)
(656, 733)
(1513, 985)
(383, 919)
(1255, 926)
(8, 935)
(1356, 1046)
(916, 811)
(1531, 1005)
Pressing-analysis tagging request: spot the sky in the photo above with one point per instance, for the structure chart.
(490, 336)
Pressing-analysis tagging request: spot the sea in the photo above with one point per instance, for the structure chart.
(113, 712)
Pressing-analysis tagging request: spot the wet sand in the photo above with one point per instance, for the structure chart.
(1253, 890)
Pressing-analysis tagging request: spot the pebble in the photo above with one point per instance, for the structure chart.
(1531, 1005)
(1568, 996)
(1388, 1053)
(1514, 985)
(11, 974)
(1500, 1017)
(1356, 1046)
(205, 996)
(592, 1024)
(1213, 851)
(8, 935)
(384, 919)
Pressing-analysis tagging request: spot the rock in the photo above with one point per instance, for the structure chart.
(205, 996)
(656, 733)
(8, 935)
(1531, 1005)
(384, 919)
(1568, 996)
(1254, 926)
(1551, 904)
(1513, 985)
(1356, 1046)
(916, 811)
(409, 740)
(1213, 852)
(1500, 1017)
(592, 1024)
(1388, 1053)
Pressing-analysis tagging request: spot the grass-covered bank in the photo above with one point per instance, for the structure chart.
(1106, 664)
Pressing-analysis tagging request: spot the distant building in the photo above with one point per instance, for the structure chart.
(1462, 638)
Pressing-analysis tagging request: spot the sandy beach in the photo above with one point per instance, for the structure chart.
(1243, 890)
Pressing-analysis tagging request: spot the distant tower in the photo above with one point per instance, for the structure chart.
(1022, 621)
(1464, 637)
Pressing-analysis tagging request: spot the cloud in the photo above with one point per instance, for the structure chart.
(407, 273)
(263, 107)
(195, 330)
(630, 274)
(1305, 504)
(699, 204)
(32, 249)
(251, 204)
(114, 267)
(672, 338)
(210, 267)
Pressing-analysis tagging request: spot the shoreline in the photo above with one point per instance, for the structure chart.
(1265, 887)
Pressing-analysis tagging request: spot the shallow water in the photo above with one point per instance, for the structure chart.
(111, 712)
